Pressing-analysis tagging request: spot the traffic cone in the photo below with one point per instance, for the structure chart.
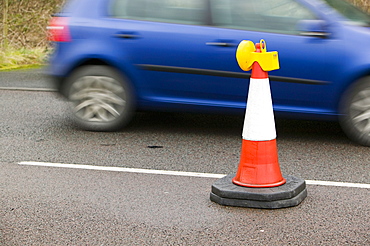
(258, 182)
(259, 165)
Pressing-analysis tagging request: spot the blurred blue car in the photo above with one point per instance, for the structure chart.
(115, 57)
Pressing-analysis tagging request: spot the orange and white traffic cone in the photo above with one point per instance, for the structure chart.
(258, 182)
(259, 165)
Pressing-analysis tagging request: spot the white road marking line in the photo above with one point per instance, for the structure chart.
(175, 173)
(339, 184)
(26, 89)
(123, 169)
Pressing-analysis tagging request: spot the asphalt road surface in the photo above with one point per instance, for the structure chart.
(114, 202)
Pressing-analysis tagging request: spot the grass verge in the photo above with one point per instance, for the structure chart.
(12, 58)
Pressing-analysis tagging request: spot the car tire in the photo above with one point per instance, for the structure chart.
(101, 98)
(355, 112)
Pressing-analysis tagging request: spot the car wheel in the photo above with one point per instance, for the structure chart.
(101, 98)
(355, 109)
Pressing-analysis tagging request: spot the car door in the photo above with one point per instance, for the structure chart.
(308, 65)
(168, 42)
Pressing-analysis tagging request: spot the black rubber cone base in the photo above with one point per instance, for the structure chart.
(292, 193)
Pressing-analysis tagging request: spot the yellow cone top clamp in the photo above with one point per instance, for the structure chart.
(246, 55)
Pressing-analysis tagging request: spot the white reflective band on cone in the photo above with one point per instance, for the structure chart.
(259, 122)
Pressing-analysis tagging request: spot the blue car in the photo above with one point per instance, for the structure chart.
(115, 57)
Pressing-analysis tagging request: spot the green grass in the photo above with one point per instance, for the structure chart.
(12, 58)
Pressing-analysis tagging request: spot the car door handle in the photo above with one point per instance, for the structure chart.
(126, 35)
(221, 44)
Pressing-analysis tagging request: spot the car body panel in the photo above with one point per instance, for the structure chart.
(179, 67)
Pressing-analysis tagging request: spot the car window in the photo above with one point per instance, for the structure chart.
(280, 16)
(355, 15)
(170, 11)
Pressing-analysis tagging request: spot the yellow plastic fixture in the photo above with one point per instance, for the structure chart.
(246, 55)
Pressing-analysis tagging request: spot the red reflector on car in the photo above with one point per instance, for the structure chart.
(58, 30)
